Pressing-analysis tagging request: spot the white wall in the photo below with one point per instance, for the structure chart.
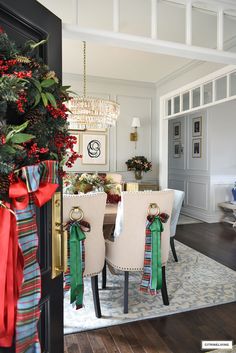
(208, 180)
(135, 99)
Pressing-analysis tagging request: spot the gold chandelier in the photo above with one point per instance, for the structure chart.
(91, 112)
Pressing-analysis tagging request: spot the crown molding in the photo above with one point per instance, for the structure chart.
(109, 80)
(193, 64)
(181, 71)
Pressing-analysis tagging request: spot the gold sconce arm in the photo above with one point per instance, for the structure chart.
(134, 135)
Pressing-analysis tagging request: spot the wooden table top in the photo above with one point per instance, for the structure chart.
(110, 213)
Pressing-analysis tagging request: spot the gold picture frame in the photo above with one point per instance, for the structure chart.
(197, 127)
(177, 130)
(197, 148)
(177, 149)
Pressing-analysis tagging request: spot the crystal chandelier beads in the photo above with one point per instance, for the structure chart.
(91, 112)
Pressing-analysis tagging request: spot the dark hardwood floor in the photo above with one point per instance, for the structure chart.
(216, 240)
(179, 333)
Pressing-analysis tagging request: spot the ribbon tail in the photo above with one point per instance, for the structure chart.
(44, 193)
(11, 276)
(76, 265)
(156, 279)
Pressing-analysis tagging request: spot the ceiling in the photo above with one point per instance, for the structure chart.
(121, 63)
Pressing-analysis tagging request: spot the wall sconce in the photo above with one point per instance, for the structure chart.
(135, 125)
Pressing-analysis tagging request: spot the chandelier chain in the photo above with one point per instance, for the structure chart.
(84, 51)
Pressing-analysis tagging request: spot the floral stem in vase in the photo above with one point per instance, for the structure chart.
(138, 174)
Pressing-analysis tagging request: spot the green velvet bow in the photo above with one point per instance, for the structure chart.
(156, 228)
(76, 264)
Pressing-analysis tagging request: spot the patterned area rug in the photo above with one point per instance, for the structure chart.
(196, 281)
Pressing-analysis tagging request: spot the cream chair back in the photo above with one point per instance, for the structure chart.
(93, 206)
(117, 178)
(178, 201)
(127, 251)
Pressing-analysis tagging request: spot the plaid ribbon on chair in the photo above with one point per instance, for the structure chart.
(152, 271)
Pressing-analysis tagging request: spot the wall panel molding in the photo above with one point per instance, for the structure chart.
(199, 189)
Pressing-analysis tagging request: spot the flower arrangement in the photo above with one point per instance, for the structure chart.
(33, 114)
(139, 163)
(84, 183)
(88, 182)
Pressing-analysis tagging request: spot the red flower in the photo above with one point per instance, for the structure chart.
(2, 140)
(23, 74)
(21, 102)
(59, 112)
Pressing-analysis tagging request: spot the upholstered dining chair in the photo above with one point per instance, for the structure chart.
(178, 201)
(93, 207)
(126, 252)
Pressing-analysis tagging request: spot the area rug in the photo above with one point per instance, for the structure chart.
(195, 282)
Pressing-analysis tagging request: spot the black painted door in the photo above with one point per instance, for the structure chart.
(24, 20)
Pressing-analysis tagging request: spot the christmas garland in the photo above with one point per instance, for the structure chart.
(33, 114)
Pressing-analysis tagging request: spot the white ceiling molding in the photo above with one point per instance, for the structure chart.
(150, 45)
(177, 73)
(191, 65)
(211, 5)
(108, 80)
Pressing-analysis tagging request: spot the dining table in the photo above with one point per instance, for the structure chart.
(110, 213)
(109, 220)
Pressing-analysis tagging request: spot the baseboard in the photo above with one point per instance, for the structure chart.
(202, 215)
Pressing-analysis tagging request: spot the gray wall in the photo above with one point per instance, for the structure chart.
(135, 99)
(207, 180)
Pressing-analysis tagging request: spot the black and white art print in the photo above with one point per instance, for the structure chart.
(94, 149)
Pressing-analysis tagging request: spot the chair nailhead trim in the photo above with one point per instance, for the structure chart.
(125, 268)
(92, 274)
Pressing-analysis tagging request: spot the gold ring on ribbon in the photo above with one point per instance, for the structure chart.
(151, 209)
(78, 211)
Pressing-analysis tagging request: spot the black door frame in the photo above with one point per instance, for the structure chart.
(28, 19)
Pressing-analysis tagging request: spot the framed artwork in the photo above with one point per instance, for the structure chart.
(94, 149)
(197, 126)
(177, 149)
(197, 148)
(177, 130)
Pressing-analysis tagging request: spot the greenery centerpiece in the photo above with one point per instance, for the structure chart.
(138, 164)
(87, 182)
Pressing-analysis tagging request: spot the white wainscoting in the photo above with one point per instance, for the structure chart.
(197, 194)
(203, 194)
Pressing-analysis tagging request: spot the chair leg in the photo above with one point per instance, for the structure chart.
(164, 288)
(96, 300)
(172, 245)
(126, 292)
(104, 276)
